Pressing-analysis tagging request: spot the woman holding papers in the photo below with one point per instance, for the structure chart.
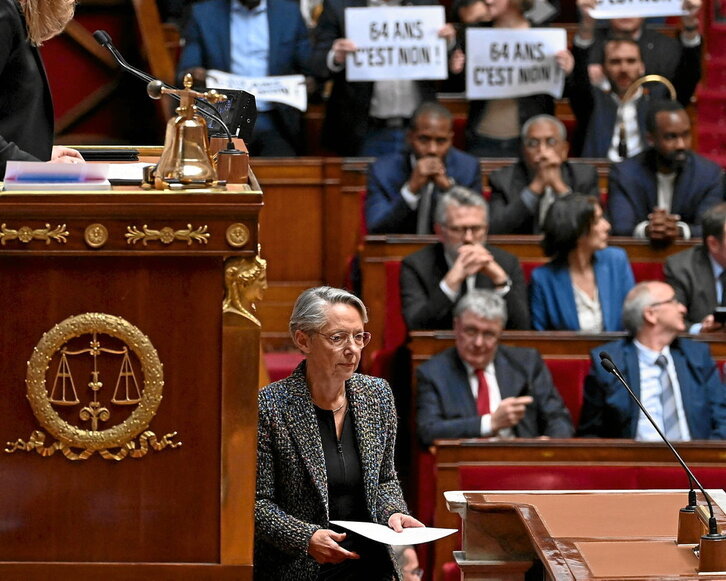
(325, 452)
(26, 107)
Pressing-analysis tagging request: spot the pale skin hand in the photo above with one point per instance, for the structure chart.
(324, 547)
(709, 325)
(586, 27)
(457, 60)
(473, 258)
(690, 19)
(510, 412)
(565, 61)
(341, 47)
(62, 154)
(448, 32)
(428, 169)
(399, 521)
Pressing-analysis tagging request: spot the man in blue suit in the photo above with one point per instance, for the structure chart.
(403, 188)
(480, 388)
(662, 193)
(252, 38)
(675, 378)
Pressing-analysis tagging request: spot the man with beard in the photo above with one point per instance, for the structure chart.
(434, 278)
(662, 193)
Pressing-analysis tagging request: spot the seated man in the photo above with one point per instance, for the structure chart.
(698, 274)
(480, 388)
(252, 38)
(435, 277)
(403, 188)
(662, 193)
(676, 379)
(522, 193)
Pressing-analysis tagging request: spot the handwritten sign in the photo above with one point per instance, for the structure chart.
(286, 89)
(637, 8)
(399, 43)
(513, 63)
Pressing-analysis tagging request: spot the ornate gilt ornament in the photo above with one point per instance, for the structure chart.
(95, 345)
(237, 235)
(245, 281)
(167, 235)
(26, 234)
(96, 235)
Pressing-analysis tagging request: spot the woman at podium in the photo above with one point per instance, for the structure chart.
(325, 452)
(26, 107)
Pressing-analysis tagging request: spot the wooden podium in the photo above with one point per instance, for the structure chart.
(129, 384)
(569, 536)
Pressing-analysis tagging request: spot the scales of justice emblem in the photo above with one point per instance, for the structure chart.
(94, 416)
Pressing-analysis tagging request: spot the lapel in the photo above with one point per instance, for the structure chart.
(687, 387)
(681, 203)
(458, 387)
(704, 273)
(563, 285)
(631, 373)
(220, 16)
(46, 86)
(649, 185)
(604, 289)
(510, 378)
(277, 23)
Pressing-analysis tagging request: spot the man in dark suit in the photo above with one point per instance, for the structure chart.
(403, 188)
(675, 378)
(662, 193)
(480, 388)
(435, 277)
(522, 193)
(270, 38)
(698, 274)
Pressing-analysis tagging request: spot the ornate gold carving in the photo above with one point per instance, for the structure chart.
(65, 395)
(96, 235)
(246, 281)
(167, 235)
(237, 235)
(25, 234)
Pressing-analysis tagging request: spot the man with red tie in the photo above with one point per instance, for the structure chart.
(480, 388)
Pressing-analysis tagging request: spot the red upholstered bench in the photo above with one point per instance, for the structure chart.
(281, 364)
(568, 375)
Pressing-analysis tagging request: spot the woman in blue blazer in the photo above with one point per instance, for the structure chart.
(584, 285)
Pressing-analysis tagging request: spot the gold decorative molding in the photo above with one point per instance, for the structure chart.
(26, 234)
(245, 281)
(167, 235)
(237, 235)
(55, 410)
(96, 235)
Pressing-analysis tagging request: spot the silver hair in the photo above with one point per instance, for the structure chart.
(540, 118)
(635, 304)
(483, 303)
(460, 196)
(310, 311)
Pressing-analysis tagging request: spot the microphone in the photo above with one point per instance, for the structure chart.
(608, 365)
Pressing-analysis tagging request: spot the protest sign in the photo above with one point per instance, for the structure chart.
(636, 8)
(400, 43)
(286, 89)
(503, 63)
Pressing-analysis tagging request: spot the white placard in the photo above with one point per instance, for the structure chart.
(503, 63)
(384, 534)
(400, 43)
(637, 8)
(286, 89)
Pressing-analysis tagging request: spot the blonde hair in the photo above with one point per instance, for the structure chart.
(46, 18)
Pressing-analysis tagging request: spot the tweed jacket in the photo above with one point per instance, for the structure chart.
(292, 494)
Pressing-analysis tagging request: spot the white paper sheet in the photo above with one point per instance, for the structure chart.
(384, 534)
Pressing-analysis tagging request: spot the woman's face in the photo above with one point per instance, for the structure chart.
(497, 8)
(338, 363)
(597, 237)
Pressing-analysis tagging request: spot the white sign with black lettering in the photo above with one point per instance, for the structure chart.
(503, 63)
(636, 8)
(400, 43)
(286, 89)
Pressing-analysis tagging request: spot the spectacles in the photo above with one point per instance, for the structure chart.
(535, 143)
(415, 572)
(673, 300)
(462, 230)
(473, 333)
(340, 340)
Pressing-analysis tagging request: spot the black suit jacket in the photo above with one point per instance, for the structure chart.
(447, 408)
(690, 274)
(26, 108)
(424, 304)
(510, 215)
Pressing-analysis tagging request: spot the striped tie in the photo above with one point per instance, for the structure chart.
(668, 400)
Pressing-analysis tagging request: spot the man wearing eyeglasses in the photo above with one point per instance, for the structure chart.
(480, 388)
(676, 379)
(522, 193)
(434, 278)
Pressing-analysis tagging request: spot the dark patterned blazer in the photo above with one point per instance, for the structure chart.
(292, 492)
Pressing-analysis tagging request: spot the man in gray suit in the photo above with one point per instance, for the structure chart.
(480, 388)
(698, 275)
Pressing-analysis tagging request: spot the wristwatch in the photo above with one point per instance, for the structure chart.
(503, 288)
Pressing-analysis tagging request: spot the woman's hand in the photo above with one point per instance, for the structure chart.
(324, 547)
(65, 155)
(399, 521)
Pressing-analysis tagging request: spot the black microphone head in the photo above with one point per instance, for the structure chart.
(606, 362)
(102, 37)
(604, 355)
(153, 89)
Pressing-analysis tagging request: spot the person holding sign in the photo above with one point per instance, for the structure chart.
(403, 188)
(522, 193)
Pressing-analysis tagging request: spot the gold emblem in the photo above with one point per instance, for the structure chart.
(237, 235)
(26, 234)
(245, 281)
(96, 235)
(167, 235)
(95, 345)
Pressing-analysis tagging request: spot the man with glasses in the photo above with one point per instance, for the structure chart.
(522, 193)
(676, 379)
(408, 562)
(480, 388)
(435, 277)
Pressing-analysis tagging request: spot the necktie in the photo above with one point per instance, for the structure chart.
(482, 397)
(423, 219)
(668, 400)
(722, 278)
